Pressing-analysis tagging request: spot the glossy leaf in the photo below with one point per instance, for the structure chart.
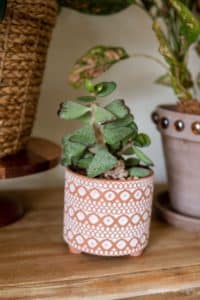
(102, 162)
(142, 140)
(104, 89)
(139, 172)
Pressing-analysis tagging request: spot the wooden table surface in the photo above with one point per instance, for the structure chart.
(35, 262)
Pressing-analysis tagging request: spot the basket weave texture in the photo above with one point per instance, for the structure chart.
(25, 34)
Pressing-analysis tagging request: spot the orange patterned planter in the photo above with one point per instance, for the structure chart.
(107, 217)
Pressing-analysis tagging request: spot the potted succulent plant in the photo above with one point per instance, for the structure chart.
(109, 182)
(179, 124)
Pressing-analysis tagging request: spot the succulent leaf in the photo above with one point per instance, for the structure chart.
(84, 162)
(102, 115)
(89, 86)
(132, 162)
(142, 140)
(104, 89)
(127, 121)
(84, 135)
(118, 108)
(102, 162)
(87, 98)
(142, 157)
(73, 151)
(115, 135)
(139, 172)
(71, 110)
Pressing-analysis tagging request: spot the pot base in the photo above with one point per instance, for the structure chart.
(75, 251)
(164, 210)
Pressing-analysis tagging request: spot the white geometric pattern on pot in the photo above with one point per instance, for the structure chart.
(106, 244)
(110, 196)
(82, 191)
(108, 220)
(93, 219)
(123, 220)
(124, 196)
(94, 194)
(104, 217)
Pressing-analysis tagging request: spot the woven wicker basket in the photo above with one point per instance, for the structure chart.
(24, 38)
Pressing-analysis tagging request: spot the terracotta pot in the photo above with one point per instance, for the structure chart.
(107, 217)
(181, 143)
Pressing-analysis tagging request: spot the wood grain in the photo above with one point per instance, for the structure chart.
(39, 155)
(35, 262)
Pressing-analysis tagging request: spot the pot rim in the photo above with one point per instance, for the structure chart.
(171, 108)
(111, 180)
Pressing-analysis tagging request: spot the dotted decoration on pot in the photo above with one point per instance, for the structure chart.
(196, 128)
(179, 125)
(164, 123)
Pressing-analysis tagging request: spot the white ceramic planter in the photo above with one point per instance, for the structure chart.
(107, 217)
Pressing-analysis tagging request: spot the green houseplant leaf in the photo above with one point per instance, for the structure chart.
(70, 110)
(84, 135)
(94, 63)
(142, 157)
(104, 89)
(73, 151)
(118, 108)
(139, 172)
(102, 162)
(115, 135)
(190, 24)
(142, 140)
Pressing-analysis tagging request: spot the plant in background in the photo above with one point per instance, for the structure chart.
(177, 29)
(108, 145)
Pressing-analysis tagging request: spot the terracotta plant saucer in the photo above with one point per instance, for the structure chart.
(164, 210)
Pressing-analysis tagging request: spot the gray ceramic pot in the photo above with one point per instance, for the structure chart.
(181, 143)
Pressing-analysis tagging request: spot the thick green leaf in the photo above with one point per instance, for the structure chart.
(102, 162)
(85, 161)
(190, 24)
(115, 135)
(104, 89)
(139, 172)
(118, 108)
(73, 151)
(71, 110)
(142, 157)
(142, 140)
(95, 62)
(87, 98)
(127, 121)
(132, 162)
(102, 115)
(3, 6)
(84, 135)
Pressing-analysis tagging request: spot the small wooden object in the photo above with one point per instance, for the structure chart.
(39, 155)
